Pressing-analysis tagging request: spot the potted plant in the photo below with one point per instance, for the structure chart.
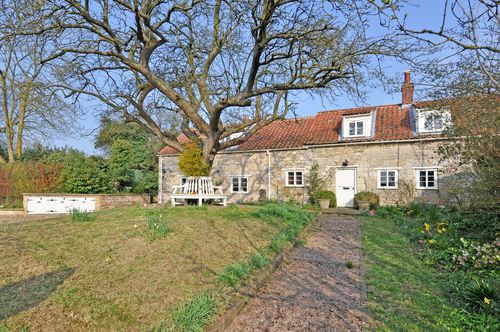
(325, 198)
(366, 200)
(363, 205)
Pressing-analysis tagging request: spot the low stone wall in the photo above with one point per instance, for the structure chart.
(102, 201)
(11, 212)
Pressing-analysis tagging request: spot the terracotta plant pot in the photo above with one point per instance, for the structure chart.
(363, 205)
(324, 203)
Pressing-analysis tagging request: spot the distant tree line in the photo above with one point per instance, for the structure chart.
(128, 164)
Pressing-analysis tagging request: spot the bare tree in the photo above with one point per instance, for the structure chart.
(27, 103)
(215, 62)
(469, 28)
(463, 76)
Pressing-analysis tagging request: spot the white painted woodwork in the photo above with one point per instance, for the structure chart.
(59, 204)
(345, 182)
(198, 188)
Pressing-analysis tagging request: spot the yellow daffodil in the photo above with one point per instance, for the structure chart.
(431, 241)
(427, 227)
(487, 300)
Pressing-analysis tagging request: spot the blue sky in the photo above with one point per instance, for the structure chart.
(427, 13)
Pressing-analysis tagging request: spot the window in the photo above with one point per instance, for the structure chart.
(388, 179)
(433, 121)
(239, 184)
(295, 179)
(357, 125)
(356, 128)
(426, 178)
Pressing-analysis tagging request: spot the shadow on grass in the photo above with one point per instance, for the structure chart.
(28, 293)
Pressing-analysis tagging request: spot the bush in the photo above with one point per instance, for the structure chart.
(314, 183)
(191, 161)
(471, 255)
(367, 196)
(326, 194)
(82, 175)
(19, 178)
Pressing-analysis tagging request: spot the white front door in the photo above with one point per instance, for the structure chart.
(345, 181)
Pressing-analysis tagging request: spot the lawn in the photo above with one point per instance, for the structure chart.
(107, 274)
(405, 293)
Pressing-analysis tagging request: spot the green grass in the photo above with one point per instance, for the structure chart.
(258, 261)
(194, 314)
(78, 215)
(157, 225)
(404, 293)
(234, 273)
(121, 280)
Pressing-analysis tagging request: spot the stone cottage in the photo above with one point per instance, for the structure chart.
(391, 150)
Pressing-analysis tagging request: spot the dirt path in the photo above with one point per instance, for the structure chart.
(314, 291)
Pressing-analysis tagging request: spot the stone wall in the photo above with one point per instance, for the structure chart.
(104, 202)
(366, 158)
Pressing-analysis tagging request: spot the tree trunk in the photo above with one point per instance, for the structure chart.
(20, 125)
(210, 145)
(9, 134)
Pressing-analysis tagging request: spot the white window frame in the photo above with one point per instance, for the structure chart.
(240, 186)
(423, 114)
(366, 119)
(294, 178)
(426, 170)
(379, 178)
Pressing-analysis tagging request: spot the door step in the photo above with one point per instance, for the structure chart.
(343, 211)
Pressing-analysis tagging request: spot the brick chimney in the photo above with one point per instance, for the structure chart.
(407, 89)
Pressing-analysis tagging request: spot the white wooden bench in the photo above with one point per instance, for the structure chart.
(199, 188)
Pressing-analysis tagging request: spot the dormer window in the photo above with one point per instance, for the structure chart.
(356, 128)
(433, 121)
(357, 125)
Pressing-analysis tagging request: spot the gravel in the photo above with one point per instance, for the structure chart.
(314, 290)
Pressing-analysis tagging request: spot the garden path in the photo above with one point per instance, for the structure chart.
(315, 290)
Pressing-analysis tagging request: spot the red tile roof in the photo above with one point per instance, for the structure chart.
(183, 139)
(290, 133)
(392, 123)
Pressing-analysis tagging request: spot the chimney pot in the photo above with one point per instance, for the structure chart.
(407, 76)
(407, 89)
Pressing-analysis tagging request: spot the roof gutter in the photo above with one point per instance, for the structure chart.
(310, 146)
